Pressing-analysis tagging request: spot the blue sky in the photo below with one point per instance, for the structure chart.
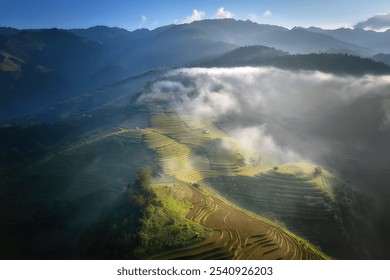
(131, 14)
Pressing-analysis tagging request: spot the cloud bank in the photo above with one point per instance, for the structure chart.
(379, 22)
(307, 116)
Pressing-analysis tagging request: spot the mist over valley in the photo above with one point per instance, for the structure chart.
(216, 139)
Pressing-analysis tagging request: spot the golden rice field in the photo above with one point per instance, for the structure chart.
(236, 234)
(188, 154)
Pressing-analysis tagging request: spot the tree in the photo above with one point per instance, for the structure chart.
(143, 179)
(142, 191)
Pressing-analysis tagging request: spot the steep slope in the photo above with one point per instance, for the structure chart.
(41, 68)
(56, 49)
(117, 95)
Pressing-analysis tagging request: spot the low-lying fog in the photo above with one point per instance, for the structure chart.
(340, 122)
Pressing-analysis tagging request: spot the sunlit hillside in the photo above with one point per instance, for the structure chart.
(204, 139)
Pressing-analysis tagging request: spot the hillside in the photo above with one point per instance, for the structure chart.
(246, 56)
(239, 235)
(41, 68)
(44, 67)
(381, 57)
(190, 156)
(324, 62)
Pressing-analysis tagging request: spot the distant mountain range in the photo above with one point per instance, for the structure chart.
(39, 68)
(373, 42)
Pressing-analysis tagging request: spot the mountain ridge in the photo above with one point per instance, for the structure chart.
(79, 60)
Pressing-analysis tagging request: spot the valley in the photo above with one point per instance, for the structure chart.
(214, 139)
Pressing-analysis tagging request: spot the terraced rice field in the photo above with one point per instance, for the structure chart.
(301, 200)
(106, 161)
(189, 155)
(237, 235)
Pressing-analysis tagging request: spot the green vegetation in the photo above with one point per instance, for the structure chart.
(163, 224)
(141, 189)
(145, 219)
(325, 62)
(332, 63)
(117, 234)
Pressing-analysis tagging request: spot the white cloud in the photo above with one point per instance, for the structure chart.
(379, 22)
(254, 138)
(196, 15)
(267, 13)
(222, 13)
(267, 109)
(144, 19)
